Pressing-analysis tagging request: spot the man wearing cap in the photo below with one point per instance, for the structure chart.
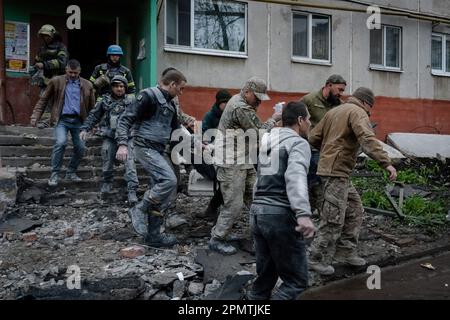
(107, 112)
(318, 104)
(338, 136)
(235, 157)
(103, 73)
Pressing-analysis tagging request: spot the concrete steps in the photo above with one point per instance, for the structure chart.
(42, 151)
(86, 172)
(46, 161)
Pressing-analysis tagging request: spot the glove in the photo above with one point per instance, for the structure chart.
(101, 81)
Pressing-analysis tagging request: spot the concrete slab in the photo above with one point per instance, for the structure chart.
(199, 186)
(421, 145)
(392, 152)
(219, 267)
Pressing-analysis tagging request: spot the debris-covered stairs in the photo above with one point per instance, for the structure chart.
(27, 151)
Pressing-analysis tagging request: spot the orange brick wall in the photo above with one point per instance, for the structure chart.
(390, 114)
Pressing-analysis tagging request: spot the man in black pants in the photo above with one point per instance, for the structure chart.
(280, 212)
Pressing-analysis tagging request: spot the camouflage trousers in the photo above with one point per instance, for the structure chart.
(237, 188)
(340, 221)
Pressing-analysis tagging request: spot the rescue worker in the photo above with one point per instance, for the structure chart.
(236, 169)
(50, 61)
(338, 136)
(319, 103)
(103, 73)
(155, 117)
(107, 112)
(280, 212)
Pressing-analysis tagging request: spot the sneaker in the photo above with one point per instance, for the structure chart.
(72, 176)
(132, 198)
(353, 260)
(53, 181)
(106, 187)
(320, 268)
(221, 247)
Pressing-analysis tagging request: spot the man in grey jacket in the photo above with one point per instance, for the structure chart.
(280, 212)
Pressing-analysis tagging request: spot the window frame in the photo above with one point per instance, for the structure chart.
(310, 59)
(383, 66)
(204, 51)
(442, 72)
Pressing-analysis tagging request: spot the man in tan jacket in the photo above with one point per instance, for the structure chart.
(339, 136)
(73, 97)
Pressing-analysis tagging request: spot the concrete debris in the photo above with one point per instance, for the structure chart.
(8, 190)
(179, 288)
(175, 221)
(195, 288)
(421, 145)
(132, 252)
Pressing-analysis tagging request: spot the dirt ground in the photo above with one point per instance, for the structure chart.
(91, 233)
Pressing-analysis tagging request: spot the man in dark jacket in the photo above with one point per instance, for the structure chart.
(154, 116)
(212, 117)
(103, 73)
(50, 61)
(107, 112)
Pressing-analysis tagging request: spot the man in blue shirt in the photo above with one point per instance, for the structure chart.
(73, 97)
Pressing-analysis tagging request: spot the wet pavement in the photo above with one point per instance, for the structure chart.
(406, 281)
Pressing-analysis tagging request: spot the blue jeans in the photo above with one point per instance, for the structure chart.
(280, 252)
(164, 181)
(109, 149)
(66, 124)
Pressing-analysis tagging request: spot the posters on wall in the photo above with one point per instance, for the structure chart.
(17, 46)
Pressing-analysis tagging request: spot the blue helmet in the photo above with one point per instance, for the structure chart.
(114, 50)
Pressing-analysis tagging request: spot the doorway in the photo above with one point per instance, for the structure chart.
(89, 44)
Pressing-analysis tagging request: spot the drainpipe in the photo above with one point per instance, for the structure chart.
(153, 45)
(2, 66)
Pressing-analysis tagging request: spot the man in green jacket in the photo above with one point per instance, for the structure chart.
(319, 103)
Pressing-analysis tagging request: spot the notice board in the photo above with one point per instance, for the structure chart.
(17, 46)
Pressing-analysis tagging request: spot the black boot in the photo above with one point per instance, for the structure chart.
(138, 216)
(154, 237)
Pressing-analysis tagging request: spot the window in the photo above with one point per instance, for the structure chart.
(207, 26)
(311, 37)
(386, 48)
(440, 54)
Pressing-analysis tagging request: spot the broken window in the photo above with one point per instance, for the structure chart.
(206, 25)
(311, 37)
(386, 47)
(440, 54)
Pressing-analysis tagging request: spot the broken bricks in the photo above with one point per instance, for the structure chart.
(30, 237)
(132, 252)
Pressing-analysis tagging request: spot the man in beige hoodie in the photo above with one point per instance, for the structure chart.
(339, 135)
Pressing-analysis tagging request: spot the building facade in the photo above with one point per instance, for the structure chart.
(296, 45)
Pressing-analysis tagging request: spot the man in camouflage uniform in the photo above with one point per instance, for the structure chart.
(50, 61)
(107, 112)
(339, 135)
(236, 161)
(319, 103)
(103, 73)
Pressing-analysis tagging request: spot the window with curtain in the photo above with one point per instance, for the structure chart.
(386, 47)
(311, 37)
(216, 25)
(440, 53)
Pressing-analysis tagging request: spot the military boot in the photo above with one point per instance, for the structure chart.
(154, 236)
(132, 198)
(351, 259)
(221, 247)
(138, 215)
